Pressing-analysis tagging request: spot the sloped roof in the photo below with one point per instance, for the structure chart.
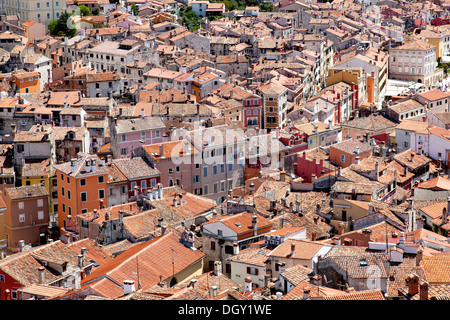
(167, 248)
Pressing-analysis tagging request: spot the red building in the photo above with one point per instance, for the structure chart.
(295, 139)
(252, 111)
(313, 163)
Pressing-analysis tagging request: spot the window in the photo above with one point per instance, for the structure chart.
(213, 246)
(205, 171)
(83, 196)
(222, 168)
(230, 167)
(197, 178)
(123, 151)
(68, 180)
(62, 191)
(101, 179)
(205, 189)
(38, 5)
(40, 215)
(158, 133)
(2, 278)
(343, 158)
(82, 182)
(14, 294)
(40, 202)
(252, 270)
(64, 207)
(101, 194)
(123, 189)
(142, 135)
(22, 217)
(68, 194)
(124, 137)
(20, 148)
(214, 169)
(143, 184)
(153, 183)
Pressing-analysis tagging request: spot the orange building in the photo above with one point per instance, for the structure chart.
(25, 82)
(81, 188)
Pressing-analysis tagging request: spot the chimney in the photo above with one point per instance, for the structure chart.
(80, 261)
(255, 224)
(95, 214)
(313, 236)
(217, 268)
(21, 245)
(128, 287)
(88, 166)
(193, 283)
(213, 291)
(341, 229)
(248, 284)
(83, 253)
(413, 284)
(292, 249)
(159, 189)
(161, 150)
(283, 176)
(41, 272)
(73, 165)
(142, 113)
(175, 202)
(93, 165)
(357, 160)
(419, 256)
(423, 290)
(235, 248)
(306, 294)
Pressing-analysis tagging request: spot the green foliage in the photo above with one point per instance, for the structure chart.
(84, 11)
(96, 11)
(135, 10)
(62, 26)
(190, 19)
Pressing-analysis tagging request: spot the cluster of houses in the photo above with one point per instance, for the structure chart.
(300, 153)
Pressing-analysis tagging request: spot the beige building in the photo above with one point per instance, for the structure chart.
(415, 61)
(43, 11)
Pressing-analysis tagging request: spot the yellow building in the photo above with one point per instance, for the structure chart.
(43, 173)
(346, 210)
(350, 75)
(436, 38)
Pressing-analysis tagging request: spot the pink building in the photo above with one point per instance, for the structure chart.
(128, 135)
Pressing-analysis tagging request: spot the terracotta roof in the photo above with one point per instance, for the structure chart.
(252, 256)
(241, 223)
(303, 249)
(80, 166)
(26, 192)
(433, 95)
(437, 268)
(170, 149)
(406, 106)
(297, 274)
(135, 168)
(351, 145)
(167, 248)
(372, 294)
(94, 252)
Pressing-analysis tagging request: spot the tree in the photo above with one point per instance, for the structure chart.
(63, 26)
(96, 11)
(84, 11)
